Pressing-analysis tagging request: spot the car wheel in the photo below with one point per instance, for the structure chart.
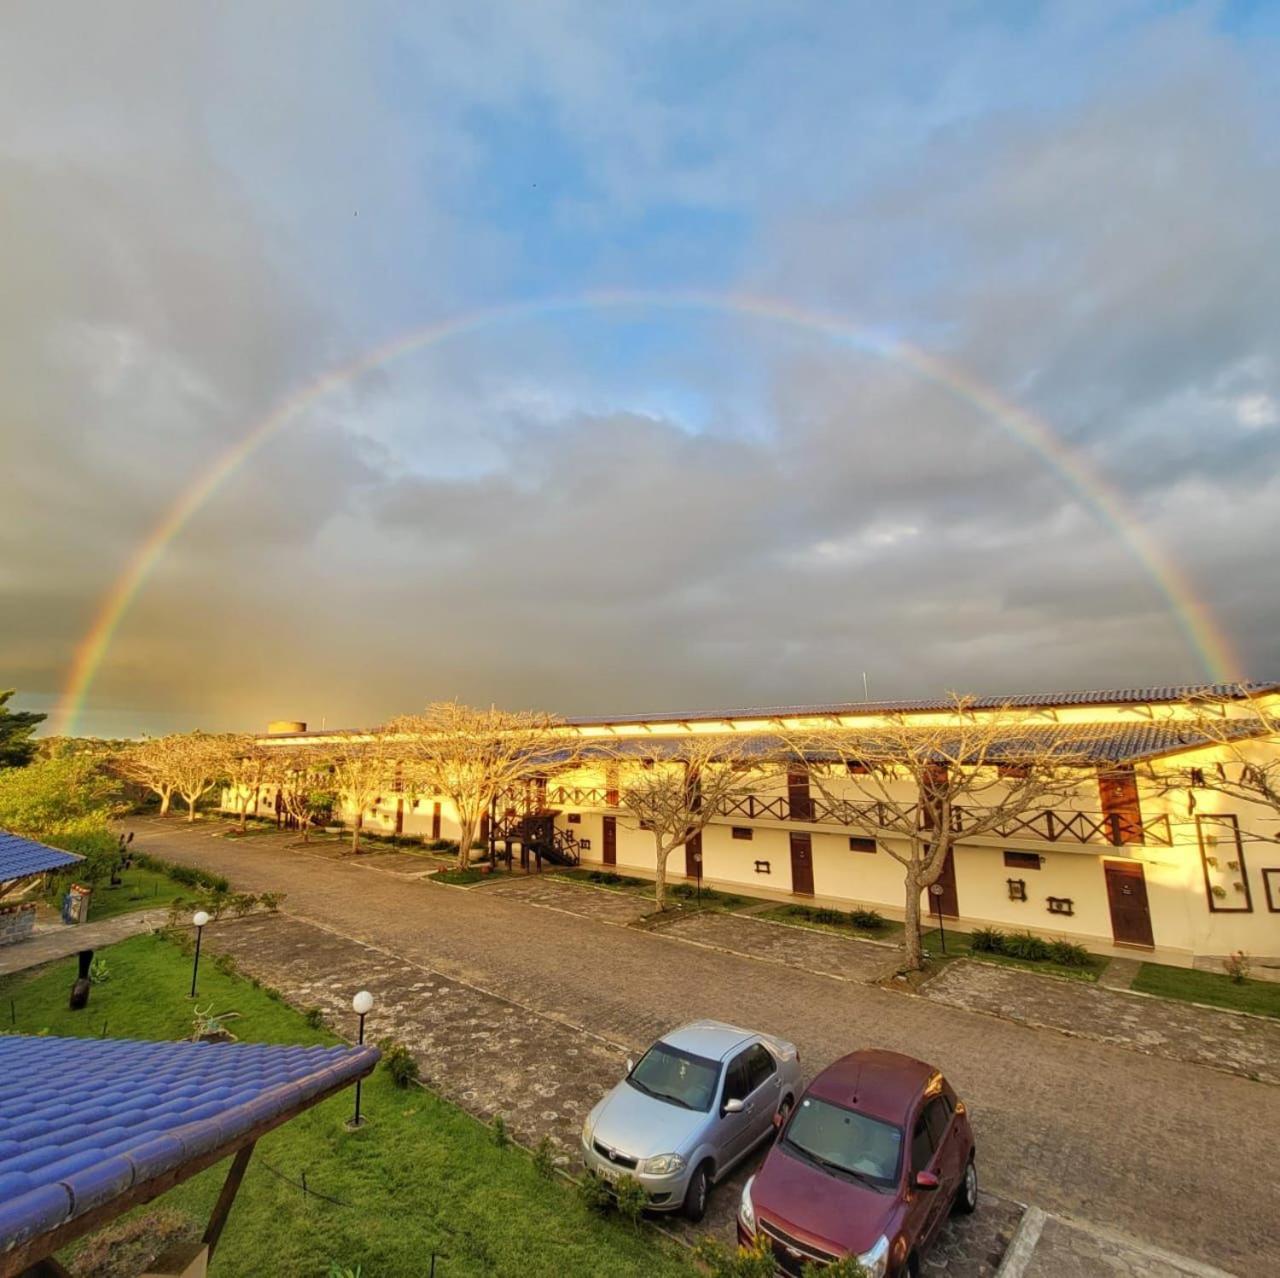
(695, 1196)
(967, 1195)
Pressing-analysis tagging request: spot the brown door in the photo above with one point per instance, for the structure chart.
(611, 840)
(799, 803)
(946, 902)
(1121, 810)
(802, 864)
(400, 816)
(693, 857)
(1127, 897)
(435, 820)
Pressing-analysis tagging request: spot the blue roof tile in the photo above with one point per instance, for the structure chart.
(20, 857)
(84, 1120)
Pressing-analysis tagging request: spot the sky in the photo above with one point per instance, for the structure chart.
(595, 509)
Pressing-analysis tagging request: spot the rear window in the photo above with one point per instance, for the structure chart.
(677, 1077)
(844, 1141)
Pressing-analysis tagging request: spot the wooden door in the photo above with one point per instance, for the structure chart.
(611, 840)
(1121, 809)
(435, 820)
(692, 857)
(948, 902)
(1127, 897)
(802, 864)
(400, 814)
(799, 802)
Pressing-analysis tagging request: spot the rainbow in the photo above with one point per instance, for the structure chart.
(1200, 629)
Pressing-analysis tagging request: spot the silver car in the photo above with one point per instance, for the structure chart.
(696, 1104)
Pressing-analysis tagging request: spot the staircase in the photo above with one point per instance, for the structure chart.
(537, 836)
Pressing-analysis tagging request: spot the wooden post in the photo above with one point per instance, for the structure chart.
(230, 1186)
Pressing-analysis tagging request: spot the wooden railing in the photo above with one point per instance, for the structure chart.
(1046, 825)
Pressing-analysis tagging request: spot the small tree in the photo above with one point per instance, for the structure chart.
(934, 782)
(677, 798)
(361, 768)
(471, 756)
(198, 763)
(298, 782)
(243, 764)
(17, 733)
(153, 764)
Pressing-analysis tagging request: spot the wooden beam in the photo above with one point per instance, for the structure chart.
(47, 1268)
(230, 1187)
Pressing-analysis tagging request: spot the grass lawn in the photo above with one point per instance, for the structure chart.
(139, 890)
(1261, 997)
(422, 1176)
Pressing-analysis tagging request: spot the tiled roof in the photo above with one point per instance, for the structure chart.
(83, 1121)
(1024, 701)
(20, 857)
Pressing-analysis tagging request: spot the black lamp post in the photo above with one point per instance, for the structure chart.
(362, 1005)
(200, 918)
(935, 891)
(697, 869)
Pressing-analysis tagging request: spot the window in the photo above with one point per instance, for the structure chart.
(1022, 860)
(646, 825)
(742, 832)
(680, 1077)
(574, 818)
(1013, 771)
(921, 1145)
(857, 769)
(937, 1116)
(762, 867)
(737, 1083)
(861, 845)
(761, 1065)
(843, 1138)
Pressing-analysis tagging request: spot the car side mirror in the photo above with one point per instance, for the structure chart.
(733, 1106)
(630, 1065)
(926, 1180)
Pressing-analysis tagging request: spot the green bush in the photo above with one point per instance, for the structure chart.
(399, 1062)
(314, 1017)
(755, 1261)
(870, 920)
(846, 1267)
(594, 1192)
(631, 1199)
(271, 901)
(1069, 955)
(99, 972)
(1026, 945)
(226, 964)
(544, 1157)
(986, 940)
(242, 903)
(501, 1138)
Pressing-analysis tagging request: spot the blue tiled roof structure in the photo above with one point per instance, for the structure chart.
(83, 1121)
(21, 857)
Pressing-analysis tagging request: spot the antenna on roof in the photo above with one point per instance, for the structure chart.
(866, 687)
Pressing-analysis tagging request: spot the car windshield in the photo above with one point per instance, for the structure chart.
(680, 1078)
(843, 1140)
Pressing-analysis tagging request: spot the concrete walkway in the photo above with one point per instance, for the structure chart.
(46, 946)
(1119, 974)
(1245, 1045)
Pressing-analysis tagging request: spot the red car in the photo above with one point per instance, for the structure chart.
(870, 1163)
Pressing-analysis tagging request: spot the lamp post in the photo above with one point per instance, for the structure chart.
(935, 891)
(362, 1005)
(697, 869)
(200, 918)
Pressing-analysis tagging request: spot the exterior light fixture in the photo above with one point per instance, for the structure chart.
(361, 1005)
(200, 918)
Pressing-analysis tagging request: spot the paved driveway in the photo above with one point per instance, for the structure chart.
(1165, 1151)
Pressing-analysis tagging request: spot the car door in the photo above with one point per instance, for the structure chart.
(766, 1089)
(734, 1131)
(947, 1161)
(922, 1204)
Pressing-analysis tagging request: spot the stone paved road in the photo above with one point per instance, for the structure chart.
(1064, 1250)
(582, 899)
(1167, 1151)
(1241, 1044)
(821, 953)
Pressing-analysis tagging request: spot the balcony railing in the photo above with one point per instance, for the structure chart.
(1046, 825)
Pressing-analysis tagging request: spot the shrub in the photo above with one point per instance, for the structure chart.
(342, 1271)
(871, 920)
(99, 972)
(399, 1062)
(501, 1138)
(1026, 945)
(226, 964)
(630, 1196)
(314, 1017)
(271, 901)
(986, 940)
(544, 1157)
(594, 1192)
(755, 1261)
(1237, 966)
(242, 903)
(604, 876)
(845, 1267)
(1068, 954)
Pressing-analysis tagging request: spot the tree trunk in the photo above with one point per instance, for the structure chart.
(466, 833)
(165, 796)
(355, 831)
(191, 810)
(244, 815)
(660, 878)
(912, 947)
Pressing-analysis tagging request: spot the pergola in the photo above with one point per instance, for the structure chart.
(90, 1128)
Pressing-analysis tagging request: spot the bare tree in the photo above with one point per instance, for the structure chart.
(1237, 723)
(678, 797)
(471, 756)
(153, 764)
(198, 762)
(243, 767)
(929, 784)
(362, 766)
(299, 779)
